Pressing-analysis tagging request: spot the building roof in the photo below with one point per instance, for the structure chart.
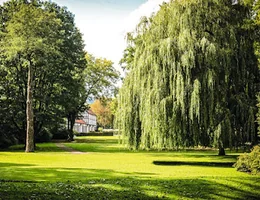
(80, 121)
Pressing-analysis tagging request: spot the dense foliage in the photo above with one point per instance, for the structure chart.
(249, 162)
(101, 78)
(38, 39)
(192, 77)
(256, 23)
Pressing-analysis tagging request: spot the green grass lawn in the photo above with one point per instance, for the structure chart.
(109, 171)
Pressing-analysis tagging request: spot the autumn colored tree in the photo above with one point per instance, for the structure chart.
(102, 108)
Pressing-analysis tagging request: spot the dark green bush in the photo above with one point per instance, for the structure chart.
(249, 162)
(61, 134)
(9, 135)
(7, 140)
(44, 136)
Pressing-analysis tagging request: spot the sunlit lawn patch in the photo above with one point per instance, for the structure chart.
(109, 171)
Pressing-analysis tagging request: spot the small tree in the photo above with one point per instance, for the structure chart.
(101, 107)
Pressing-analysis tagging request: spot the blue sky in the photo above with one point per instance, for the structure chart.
(104, 23)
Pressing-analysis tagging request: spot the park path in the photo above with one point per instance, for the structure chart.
(69, 149)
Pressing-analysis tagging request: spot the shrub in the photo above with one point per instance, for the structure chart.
(7, 140)
(61, 134)
(249, 162)
(44, 136)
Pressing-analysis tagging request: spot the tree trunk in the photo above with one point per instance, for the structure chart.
(221, 151)
(70, 136)
(68, 122)
(29, 113)
(72, 122)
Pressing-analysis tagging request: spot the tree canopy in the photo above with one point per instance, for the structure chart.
(42, 37)
(29, 35)
(101, 78)
(192, 77)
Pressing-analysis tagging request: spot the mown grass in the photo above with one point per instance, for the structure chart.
(109, 171)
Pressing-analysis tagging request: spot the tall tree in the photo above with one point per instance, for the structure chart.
(29, 34)
(72, 74)
(58, 69)
(192, 78)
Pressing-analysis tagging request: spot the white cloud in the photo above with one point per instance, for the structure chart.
(146, 9)
(132, 20)
(129, 24)
(2, 1)
(106, 37)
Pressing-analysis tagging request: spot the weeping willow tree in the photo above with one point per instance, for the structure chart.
(191, 78)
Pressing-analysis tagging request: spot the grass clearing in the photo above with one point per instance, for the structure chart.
(109, 171)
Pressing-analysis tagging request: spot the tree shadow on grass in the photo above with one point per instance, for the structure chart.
(210, 154)
(15, 165)
(194, 163)
(80, 183)
(40, 148)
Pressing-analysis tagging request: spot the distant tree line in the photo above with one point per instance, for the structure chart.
(192, 76)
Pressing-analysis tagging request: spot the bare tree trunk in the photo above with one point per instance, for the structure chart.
(29, 113)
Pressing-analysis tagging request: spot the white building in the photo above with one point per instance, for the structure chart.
(86, 123)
